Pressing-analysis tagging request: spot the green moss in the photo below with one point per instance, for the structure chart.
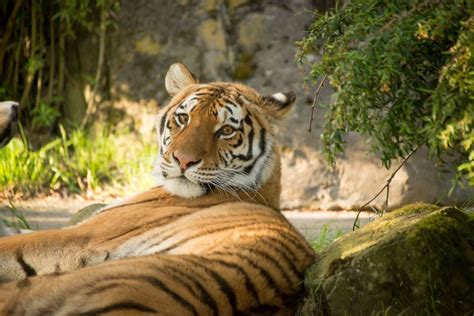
(245, 67)
(415, 208)
(414, 260)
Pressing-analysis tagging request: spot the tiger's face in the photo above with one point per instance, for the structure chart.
(216, 136)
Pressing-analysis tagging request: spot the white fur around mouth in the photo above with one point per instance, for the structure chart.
(183, 187)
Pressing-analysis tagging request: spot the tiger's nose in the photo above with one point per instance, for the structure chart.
(185, 160)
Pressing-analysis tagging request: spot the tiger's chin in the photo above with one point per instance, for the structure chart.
(183, 187)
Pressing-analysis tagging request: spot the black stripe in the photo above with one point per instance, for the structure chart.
(252, 227)
(205, 93)
(263, 273)
(154, 224)
(172, 231)
(289, 261)
(102, 288)
(82, 263)
(261, 145)
(294, 240)
(228, 108)
(249, 222)
(240, 140)
(179, 278)
(223, 285)
(203, 294)
(178, 298)
(125, 305)
(29, 270)
(249, 286)
(70, 291)
(265, 309)
(158, 284)
(272, 260)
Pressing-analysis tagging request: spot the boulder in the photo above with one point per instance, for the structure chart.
(417, 260)
(85, 213)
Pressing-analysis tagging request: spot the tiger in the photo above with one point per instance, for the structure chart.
(209, 239)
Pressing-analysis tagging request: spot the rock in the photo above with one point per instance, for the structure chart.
(85, 213)
(417, 260)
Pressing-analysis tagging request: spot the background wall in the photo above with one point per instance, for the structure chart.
(251, 42)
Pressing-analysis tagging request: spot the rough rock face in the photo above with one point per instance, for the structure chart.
(417, 260)
(252, 42)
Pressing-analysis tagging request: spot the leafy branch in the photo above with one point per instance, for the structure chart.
(402, 74)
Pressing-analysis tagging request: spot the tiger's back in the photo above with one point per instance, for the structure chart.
(229, 259)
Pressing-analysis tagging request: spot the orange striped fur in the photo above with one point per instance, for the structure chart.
(225, 251)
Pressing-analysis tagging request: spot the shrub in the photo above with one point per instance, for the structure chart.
(402, 72)
(77, 161)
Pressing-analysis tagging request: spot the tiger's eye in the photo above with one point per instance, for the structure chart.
(182, 119)
(226, 130)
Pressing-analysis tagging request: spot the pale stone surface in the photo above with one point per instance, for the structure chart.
(252, 41)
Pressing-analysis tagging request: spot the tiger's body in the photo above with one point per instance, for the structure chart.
(208, 241)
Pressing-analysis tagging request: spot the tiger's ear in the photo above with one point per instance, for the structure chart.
(278, 105)
(178, 77)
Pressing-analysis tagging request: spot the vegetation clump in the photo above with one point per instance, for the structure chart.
(403, 74)
(79, 162)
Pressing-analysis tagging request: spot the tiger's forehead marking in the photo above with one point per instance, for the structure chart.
(230, 114)
(227, 110)
(188, 104)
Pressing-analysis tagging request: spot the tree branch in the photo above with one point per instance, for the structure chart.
(385, 187)
(313, 106)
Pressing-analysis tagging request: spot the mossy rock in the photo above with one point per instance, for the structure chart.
(417, 260)
(85, 213)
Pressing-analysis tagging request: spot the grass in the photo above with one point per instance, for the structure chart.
(18, 220)
(77, 162)
(325, 237)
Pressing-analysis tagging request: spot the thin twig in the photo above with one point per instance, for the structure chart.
(386, 186)
(385, 207)
(316, 95)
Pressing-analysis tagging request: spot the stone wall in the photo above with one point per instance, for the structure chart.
(252, 42)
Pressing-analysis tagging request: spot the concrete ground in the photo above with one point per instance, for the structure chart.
(53, 212)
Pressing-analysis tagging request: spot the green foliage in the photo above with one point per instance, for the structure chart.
(325, 237)
(18, 220)
(36, 40)
(44, 115)
(403, 75)
(78, 161)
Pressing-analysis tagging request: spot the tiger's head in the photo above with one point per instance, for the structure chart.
(216, 136)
